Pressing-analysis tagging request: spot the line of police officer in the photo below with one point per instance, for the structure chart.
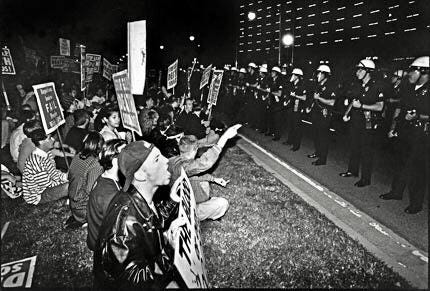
(269, 102)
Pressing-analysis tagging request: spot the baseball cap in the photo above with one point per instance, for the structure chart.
(132, 158)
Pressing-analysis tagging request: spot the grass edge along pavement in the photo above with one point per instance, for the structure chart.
(269, 238)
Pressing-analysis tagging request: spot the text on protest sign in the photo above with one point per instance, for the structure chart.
(205, 76)
(189, 258)
(31, 56)
(126, 104)
(172, 75)
(50, 110)
(18, 274)
(64, 47)
(93, 61)
(57, 62)
(215, 86)
(70, 66)
(107, 69)
(136, 46)
(7, 66)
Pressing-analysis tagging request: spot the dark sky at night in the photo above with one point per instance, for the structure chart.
(102, 26)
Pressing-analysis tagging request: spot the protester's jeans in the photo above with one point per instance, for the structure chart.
(54, 193)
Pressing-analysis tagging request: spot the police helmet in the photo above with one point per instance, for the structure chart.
(366, 64)
(324, 69)
(297, 71)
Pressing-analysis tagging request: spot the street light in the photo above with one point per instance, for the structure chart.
(288, 39)
(192, 38)
(251, 15)
(161, 47)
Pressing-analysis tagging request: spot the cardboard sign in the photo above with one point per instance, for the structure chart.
(136, 45)
(18, 274)
(189, 258)
(172, 75)
(7, 66)
(57, 62)
(215, 87)
(64, 47)
(89, 74)
(205, 76)
(70, 66)
(126, 105)
(93, 61)
(107, 69)
(50, 109)
(83, 70)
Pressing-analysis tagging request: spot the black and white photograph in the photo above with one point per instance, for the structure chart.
(234, 144)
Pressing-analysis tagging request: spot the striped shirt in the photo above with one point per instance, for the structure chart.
(40, 173)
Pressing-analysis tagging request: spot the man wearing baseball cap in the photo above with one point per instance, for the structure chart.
(131, 250)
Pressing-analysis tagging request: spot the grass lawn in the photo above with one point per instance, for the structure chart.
(269, 238)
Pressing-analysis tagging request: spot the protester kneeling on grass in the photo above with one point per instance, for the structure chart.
(207, 207)
(105, 188)
(83, 173)
(131, 250)
(41, 181)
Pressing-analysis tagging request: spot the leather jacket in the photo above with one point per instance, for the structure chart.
(131, 242)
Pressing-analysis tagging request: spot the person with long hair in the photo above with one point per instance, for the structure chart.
(107, 123)
(83, 173)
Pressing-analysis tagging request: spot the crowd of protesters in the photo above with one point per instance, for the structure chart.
(115, 182)
(93, 160)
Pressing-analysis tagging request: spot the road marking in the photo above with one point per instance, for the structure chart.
(385, 246)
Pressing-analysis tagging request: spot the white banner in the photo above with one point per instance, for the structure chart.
(215, 87)
(126, 105)
(205, 76)
(57, 62)
(172, 75)
(7, 66)
(189, 258)
(108, 69)
(93, 61)
(64, 47)
(18, 274)
(136, 44)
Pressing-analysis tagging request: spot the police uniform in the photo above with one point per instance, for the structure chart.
(250, 96)
(239, 100)
(276, 113)
(363, 127)
(321, 117)
(413, 171)
(295, 108)
(262, 105)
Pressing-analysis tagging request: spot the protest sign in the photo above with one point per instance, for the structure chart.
(215, 86)
(64, 47)
(114, 68)
(136, 45)
(7, 66)
(126, 105)
(70, 66)
(31, 56)
(57, 62)
(50, 109)
(83, 70)
(189, 258)
(205, 76)
(18, 274)
(107, 69)
(89, 74)
(172, 75)
(93, 61)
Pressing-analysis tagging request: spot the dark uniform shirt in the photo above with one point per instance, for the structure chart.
(326, 91)
(298, 89)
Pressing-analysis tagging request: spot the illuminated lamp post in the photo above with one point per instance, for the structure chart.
(288, 41)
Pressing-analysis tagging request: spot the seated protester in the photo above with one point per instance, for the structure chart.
(69, 105)
(131, 251)
(41, 181)
(207, 207)
(83, 173)
(99, 97)
(205, 134)
(30, 99)
(109, 117)
(105, 188)
(17, 136)
(77, 133)
(27, 146)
